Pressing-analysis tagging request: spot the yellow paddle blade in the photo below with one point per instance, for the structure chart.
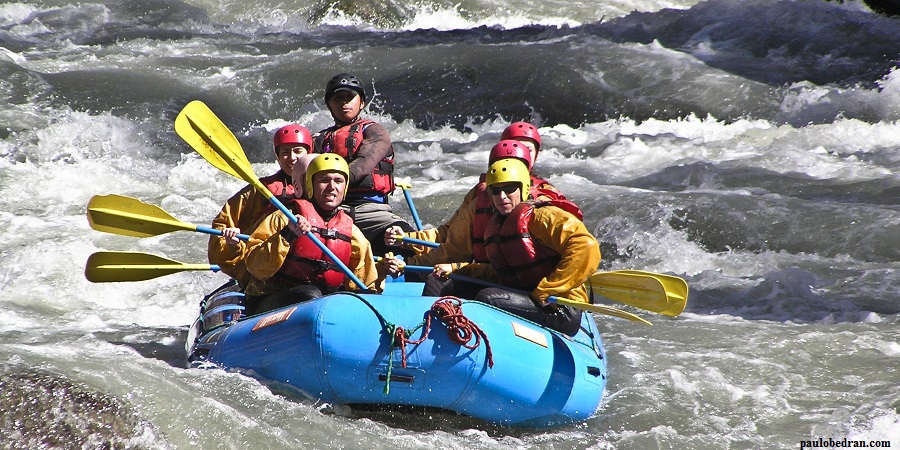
(105, 267)
(128, 216)
(643, 290)
(206, 134)
(601, 309)
(200, 128)
(676, 289)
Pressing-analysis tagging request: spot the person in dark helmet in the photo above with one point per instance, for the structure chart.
(367, 148)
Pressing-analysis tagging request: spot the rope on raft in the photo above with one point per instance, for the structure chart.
(460, 329)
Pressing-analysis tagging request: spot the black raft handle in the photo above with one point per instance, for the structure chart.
(397, 378)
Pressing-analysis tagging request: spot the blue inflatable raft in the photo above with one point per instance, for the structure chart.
(345, 349)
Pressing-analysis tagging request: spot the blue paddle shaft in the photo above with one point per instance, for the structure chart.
(412, 208)
(418, 268)
(318, 243)
(420, 242)
(213, 231)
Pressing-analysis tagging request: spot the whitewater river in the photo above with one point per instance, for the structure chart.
(750, 147)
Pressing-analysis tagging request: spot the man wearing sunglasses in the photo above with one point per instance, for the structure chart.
(462, 235)
(541, 248)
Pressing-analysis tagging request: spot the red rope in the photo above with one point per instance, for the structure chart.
(460, 329)
(400, 340)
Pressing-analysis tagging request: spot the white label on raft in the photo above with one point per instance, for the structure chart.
(530, 334)
(274, 318)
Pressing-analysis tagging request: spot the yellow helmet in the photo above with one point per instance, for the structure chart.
(326, 162)
(510, 170)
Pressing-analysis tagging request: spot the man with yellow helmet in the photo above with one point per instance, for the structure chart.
(287, 267)
(541, 248)
(519, 140)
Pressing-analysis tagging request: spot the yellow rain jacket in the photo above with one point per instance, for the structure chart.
(439, 234)
(243, 210)
(269, 249)
(462, 217)
(565, 234)
(457, 244)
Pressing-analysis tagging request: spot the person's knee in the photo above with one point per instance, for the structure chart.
(504, 299)
(567, 320)
(304, 292)
(434, 287)
(296, 294)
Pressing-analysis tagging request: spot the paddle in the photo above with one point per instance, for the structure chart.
(412, 208)
(206, 134)
(608, 310)
(601, 309)
(664, 294)
(401, 237)
(128, 216)
(105, 267)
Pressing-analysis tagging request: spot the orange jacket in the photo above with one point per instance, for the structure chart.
(243, 210)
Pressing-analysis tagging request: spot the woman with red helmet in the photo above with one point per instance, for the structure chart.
(247, 207)
(525, 133)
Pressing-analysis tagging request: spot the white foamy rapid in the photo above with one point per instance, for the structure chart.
(757, 160)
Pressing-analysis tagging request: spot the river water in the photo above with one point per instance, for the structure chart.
(752, 148)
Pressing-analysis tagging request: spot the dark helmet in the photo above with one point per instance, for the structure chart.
(346, 82)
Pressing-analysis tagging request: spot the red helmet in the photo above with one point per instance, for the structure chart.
(293, 134)
(522, 130)
(510, 149)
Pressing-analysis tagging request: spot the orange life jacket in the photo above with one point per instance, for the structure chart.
(519, 260)
(306, 263)
(345, 141)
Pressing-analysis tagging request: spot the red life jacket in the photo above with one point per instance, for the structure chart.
(519, 260)
(345, 141)
(484, 210)
(545, 194)
(306, 263)
(280, 185)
